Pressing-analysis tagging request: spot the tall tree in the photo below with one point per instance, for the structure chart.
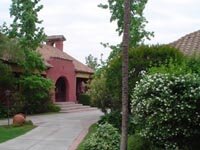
(25, 29)
(25, 23)
(125, 47)
(131, 22)
(137, 22)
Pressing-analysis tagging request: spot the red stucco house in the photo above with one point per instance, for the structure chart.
(67, 73)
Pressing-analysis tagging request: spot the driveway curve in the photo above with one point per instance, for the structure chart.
(62, 131)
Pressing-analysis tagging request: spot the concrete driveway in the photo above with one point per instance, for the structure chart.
(61, 131)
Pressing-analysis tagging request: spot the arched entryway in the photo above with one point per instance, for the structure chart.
(61, 90)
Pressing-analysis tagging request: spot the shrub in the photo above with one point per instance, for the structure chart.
(6, 77)
(136, 142)
(105, 88)
(84, 99)
(17, 102)
(36, 92)
(193, 63)
(105, 138)
(16, 105)
(7, 82)
(189, 65)
(53, 108)
(166, 108)
(3, 111)
(99, 93)
(115, 119)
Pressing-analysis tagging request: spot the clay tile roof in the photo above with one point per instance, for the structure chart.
(49, 52)
(188, 44)
(79, 67)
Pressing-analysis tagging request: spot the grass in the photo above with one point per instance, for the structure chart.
(10, 132)
(92, 129)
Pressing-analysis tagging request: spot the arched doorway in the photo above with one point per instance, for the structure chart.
(61, 90)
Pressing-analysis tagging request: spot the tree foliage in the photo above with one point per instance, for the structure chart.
(36, 91)
(138, 22)
(140, 59)
(33, 64)
(6, 78)
(32, 94)
(190, 64)
(105, 88)
(99, 93)
(92, 62)
(25, 23)
(25, 31)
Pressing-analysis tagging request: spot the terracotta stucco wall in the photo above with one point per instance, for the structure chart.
(63, 68)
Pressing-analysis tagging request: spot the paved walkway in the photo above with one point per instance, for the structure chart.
(54, 131)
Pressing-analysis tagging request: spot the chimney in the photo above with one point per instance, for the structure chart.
(56, 41)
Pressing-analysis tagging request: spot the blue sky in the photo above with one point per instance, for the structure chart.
(85, 25)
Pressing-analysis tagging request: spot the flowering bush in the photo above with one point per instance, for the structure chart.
(166, 108)
(105, 138)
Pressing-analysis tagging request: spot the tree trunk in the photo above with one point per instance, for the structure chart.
(125, 46)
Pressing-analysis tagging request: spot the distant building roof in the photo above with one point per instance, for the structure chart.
(48, 52)
(188, 44)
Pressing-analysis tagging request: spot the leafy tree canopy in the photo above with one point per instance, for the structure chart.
(138, 22)
(25, 23)
(25, 31)
(92, 62)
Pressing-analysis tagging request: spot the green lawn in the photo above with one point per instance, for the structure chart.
(10, 132)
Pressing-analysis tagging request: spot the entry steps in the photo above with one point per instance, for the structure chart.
(69, 107)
